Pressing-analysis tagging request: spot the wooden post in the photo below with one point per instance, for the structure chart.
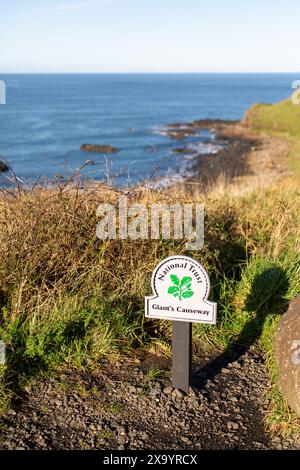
(181, 355)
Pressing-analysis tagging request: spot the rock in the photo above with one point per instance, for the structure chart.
(192, 392)
(236, 364)
(232, 425)
(287, 352)
(168, 390)
(121, 430)
(98, 148)
(4, 166)
(185, 150)
(177, 393)
(57, 402)
(154, 392)
(179, 134)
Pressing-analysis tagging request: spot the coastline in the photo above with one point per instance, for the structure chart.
(238, 160)
(230, 155)
(244, 158)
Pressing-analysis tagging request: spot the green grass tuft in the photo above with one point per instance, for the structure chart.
(282, 119)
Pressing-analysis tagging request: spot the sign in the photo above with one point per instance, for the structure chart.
(181, 288)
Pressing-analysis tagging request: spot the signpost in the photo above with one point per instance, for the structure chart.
(181, 288)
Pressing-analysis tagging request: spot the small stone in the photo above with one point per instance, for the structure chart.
(7, 443)
(257, 444)
(178, 393)
(4, 166)
(168, 390)
(121, 430)
(192, 392)
(232, 425)
(286, 349)
(237, 365)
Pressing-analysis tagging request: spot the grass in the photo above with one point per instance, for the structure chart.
(105, 435)
(114, 407)
(154, 374)
(281, 119)
(68, 299)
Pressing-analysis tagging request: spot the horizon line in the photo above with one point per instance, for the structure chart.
(151, 73)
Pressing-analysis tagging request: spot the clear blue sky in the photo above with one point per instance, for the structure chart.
(149, 36)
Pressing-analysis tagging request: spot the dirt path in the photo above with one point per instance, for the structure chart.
(119, 408)
(247, 160)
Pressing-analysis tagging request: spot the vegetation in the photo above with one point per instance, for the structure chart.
(282, 119)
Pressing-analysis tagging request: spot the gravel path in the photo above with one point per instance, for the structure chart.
(119, 408)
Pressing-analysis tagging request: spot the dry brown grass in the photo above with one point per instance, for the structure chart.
(49, 243)
(69, 298)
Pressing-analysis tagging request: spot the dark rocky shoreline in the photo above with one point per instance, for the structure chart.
(180, 131)
(242, 153)
(207, 167)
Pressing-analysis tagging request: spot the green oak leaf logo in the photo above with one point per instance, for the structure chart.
(181, 288)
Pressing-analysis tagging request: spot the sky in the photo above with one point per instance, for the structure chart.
(61, 36)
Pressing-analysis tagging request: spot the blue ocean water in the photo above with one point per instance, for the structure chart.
(48, 117)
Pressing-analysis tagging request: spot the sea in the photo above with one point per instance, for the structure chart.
(47, 118)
